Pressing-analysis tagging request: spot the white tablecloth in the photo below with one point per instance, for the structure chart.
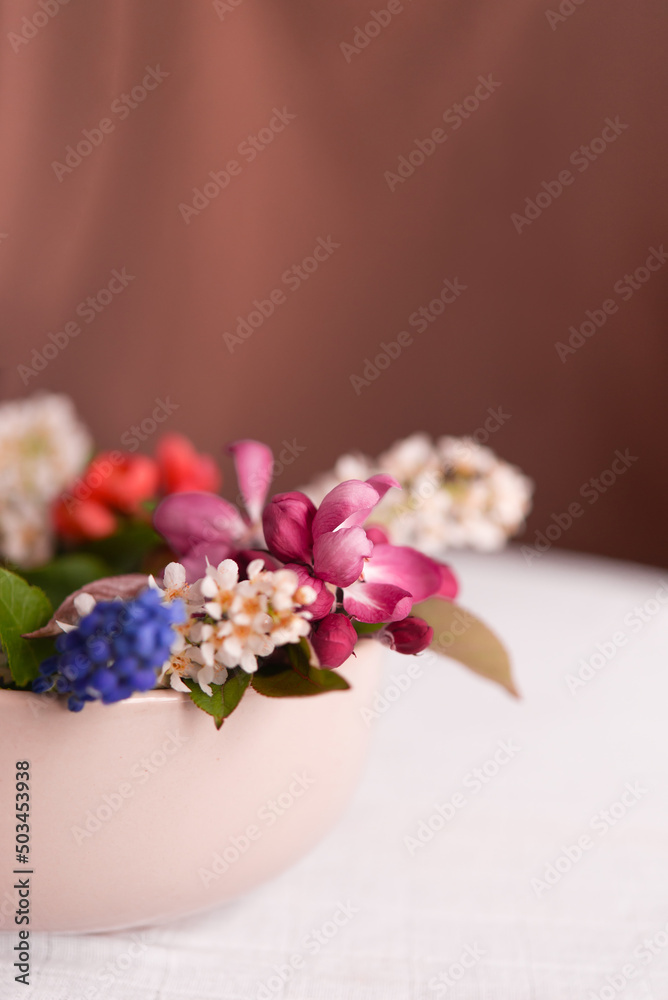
(495, 903)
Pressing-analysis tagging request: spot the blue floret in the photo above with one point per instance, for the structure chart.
(115, 650)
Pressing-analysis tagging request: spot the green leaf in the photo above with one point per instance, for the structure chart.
(22, 609)
(225, 697)
(66, 574)
(463, 637)
(299, 680)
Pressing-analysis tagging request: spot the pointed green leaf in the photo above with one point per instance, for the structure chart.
(225, 697)
(463, 637)
(22, 609)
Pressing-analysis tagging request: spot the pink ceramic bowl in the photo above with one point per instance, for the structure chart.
(142, 811)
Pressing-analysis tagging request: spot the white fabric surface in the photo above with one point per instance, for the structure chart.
(471, 885)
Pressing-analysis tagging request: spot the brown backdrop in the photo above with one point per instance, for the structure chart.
(218, 72)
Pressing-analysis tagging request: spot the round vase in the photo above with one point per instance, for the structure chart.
(142, 811)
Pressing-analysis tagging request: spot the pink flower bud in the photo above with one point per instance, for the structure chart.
(287, 521)
(410, 635)
(334, 640)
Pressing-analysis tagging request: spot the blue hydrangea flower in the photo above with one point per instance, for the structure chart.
(115, 650)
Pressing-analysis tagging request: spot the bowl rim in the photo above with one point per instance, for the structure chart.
(154, 693)
(164, 695)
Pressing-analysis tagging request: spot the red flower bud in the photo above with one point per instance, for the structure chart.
(123, 482)
(410, 635)
(78, 520)
(183, 469)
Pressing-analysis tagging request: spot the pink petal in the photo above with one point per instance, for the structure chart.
(334, 640)
(185, 520)
(377, 534)
(347, 505)
(382, 483)
(406, 568)
(325, 598)
(338, 556)
(286, 522)
(449, 586)
(253, 462)
(377, 602)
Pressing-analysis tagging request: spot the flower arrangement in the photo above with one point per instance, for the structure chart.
(160, 582)
(456, 493)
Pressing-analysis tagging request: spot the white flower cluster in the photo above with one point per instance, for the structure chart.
(43, 447)
(231, 622)
(456, 493)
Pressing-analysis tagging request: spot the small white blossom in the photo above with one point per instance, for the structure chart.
(43, 447)
(232, 622)
(84, 604)
(218, 587)
(174, 584)
(190, 664)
